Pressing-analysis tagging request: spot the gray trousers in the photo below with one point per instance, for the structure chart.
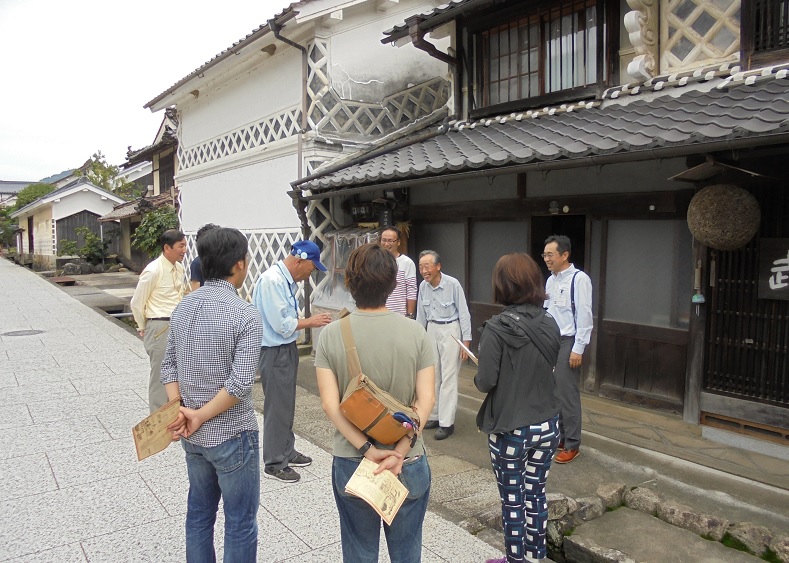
(278, 368)
(155, 342)
(569, 395)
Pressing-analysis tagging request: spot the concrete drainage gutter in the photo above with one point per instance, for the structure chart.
(566, 514)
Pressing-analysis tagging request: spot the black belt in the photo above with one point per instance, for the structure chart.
(160, 319)
(443, 322)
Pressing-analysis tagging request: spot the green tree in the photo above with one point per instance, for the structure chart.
(7, 227)
(93, 251)
(31, 193)
(153, 224)
(107, 176)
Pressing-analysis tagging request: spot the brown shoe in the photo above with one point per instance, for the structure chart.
(566, 456)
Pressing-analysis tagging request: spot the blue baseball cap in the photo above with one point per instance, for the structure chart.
(308, 250)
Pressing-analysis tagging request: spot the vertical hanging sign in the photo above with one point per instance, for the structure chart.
(774, 269)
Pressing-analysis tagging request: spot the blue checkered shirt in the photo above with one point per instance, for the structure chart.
(214, 343)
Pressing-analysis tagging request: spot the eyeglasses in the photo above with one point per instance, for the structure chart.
(389, 240)
(549, 254)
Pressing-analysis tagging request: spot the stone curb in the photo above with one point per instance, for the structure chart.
(583, 550)
(746, 536)
(565, 514)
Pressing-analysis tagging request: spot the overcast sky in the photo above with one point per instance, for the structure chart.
(74, 75)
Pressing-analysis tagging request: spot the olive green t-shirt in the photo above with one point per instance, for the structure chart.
(391, 348)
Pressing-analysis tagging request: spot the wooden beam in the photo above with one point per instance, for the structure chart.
(663, 205)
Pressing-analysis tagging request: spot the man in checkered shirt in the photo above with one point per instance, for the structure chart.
(211, 360)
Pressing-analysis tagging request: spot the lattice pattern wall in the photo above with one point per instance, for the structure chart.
(695, 32)
(265, 248)
(320, 217)
(246, 137)
(330, 114)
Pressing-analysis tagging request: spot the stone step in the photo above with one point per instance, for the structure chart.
(630, 536)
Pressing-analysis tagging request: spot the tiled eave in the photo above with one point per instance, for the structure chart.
(131, 208)
(676, 113)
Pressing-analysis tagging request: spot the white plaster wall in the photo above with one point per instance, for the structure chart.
(248, 197)
(80, 201)
(362, 68)
(42, 232)
(266, 90)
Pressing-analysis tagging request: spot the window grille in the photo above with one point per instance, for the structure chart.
(552, 49)
(770, 25)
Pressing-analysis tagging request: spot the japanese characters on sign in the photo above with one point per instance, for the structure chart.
(774, 269)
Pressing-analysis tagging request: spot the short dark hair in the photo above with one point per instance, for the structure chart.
(517, 279)
(371, 275)
(204, 229)
(170, 237)
(219, 250)
(433, 253)
(392, 228)
(563, 243)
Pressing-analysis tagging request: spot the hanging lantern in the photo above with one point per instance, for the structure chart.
(723, 216)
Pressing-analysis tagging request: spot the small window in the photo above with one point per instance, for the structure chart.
(554, 48)
(771, 25)
(765, 29)
(166, 173)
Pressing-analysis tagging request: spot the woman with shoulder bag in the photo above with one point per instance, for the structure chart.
(517, 353)
(394, 354)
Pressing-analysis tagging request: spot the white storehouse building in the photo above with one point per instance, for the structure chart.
(311, 84)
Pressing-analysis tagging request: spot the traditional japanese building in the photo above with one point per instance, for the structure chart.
(654, 135)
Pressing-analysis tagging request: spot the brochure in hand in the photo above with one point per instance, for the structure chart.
(151, 435)
(384, 492)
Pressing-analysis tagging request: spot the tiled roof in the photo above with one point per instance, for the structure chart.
(744, 107)
(130, 208)
(13, 187)
(64, 191)
(55, 177)
(169, 138)
(433, 18)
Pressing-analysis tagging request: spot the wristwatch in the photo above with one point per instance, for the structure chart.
(366, 446)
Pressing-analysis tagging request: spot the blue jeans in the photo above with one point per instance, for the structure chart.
(360, 525)
(231, 471)
(521, 460)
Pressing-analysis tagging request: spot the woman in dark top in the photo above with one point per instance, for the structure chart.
(517, 354)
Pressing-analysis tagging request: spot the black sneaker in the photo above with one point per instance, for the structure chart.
(286, 475)
(300, 460)
(431, 424)
(444, 432)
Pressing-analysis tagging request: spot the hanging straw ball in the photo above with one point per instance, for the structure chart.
(723, 217)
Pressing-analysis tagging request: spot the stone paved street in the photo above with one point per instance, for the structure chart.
(71, 488)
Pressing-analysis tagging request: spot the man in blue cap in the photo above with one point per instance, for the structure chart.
(275, 298)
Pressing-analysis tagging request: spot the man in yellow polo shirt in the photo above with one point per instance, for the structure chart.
(160, 288)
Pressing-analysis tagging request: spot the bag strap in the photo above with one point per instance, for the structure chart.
(538, 342)
(351, 355)
(572, 300)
